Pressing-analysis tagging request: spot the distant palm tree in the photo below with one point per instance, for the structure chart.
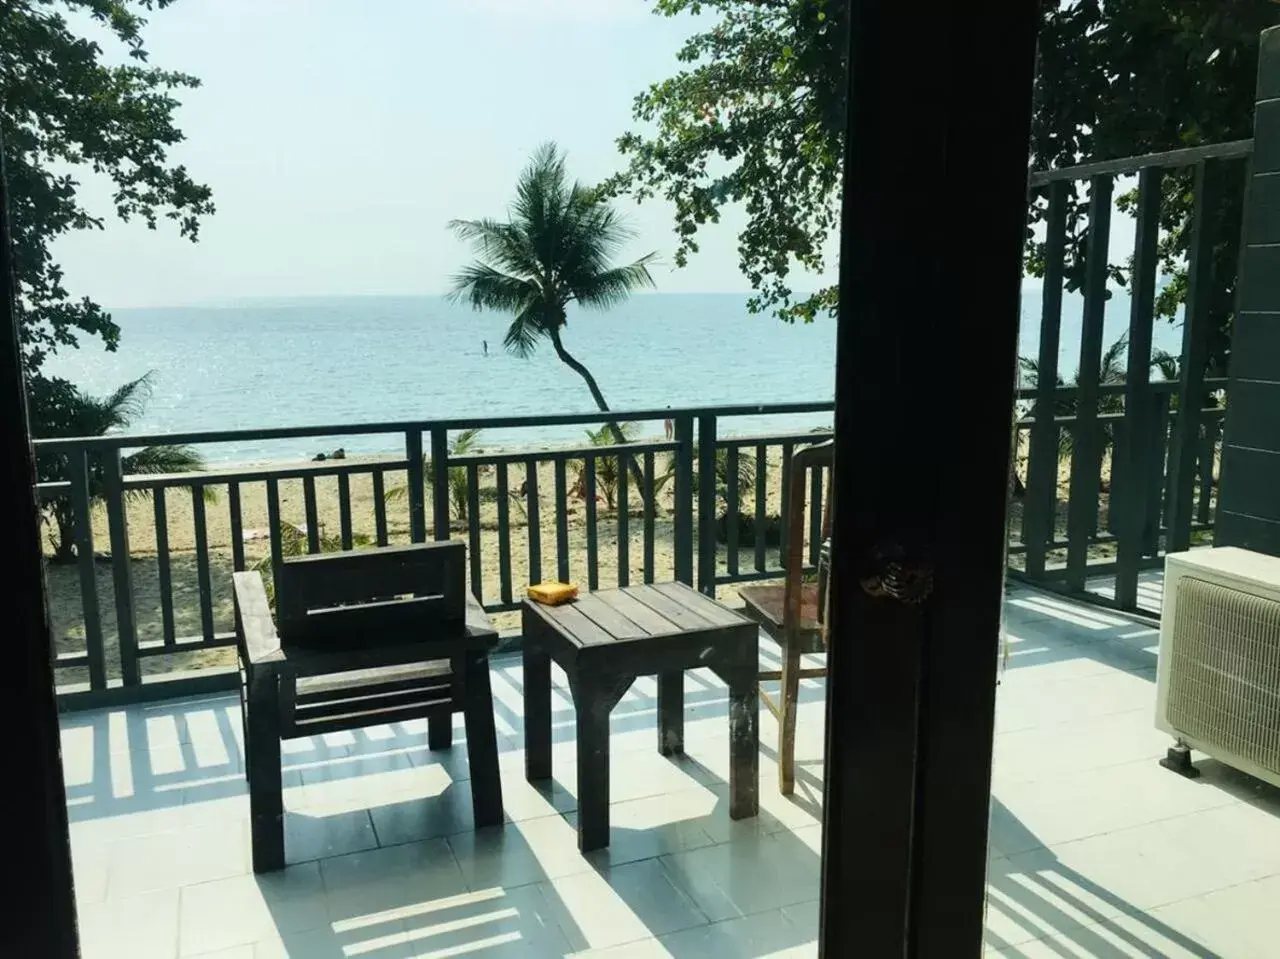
(76, 413)
(606, 466)
(556, 248)
(464, 443)
(1111, 372)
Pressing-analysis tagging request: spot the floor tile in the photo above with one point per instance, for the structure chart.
(520, 853)
(174, 859)
(411, 817)
(752, 874)
(764, 934)
(620, 904)
(308, 836)
(389, 884)
(244, 909)
(494, 923)
(132, 927)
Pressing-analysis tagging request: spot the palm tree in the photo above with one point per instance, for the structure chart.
(76, 413)
(465, 442)
(606, 466)
(1111, 372)
(556, 248)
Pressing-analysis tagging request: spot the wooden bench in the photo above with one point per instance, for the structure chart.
(603, 641)
(364, 637)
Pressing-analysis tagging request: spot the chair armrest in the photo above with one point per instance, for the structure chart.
(478, 623)
(255, 630)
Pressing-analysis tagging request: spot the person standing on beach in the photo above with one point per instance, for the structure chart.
(668, 426)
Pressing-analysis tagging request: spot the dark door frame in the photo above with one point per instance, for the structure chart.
(39, 896)
(931, 248)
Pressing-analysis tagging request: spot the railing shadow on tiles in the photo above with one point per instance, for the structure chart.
(1115, 477)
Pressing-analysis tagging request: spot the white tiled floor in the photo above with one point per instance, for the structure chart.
(1096, 850)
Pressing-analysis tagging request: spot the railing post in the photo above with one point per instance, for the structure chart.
(707, 505)
(1086, 444)
(1043, 450)
(121, 572)
(1195, 355)
(415, 485)
(1134, 446)
(440, 482)
(683, 497)
(82, 534)
(1156, 499)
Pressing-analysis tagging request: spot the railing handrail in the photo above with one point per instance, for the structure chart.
(1168, 159)
(66, 444)
(133, 440)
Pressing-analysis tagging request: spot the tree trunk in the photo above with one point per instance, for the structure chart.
(64, 550)
(568, 360)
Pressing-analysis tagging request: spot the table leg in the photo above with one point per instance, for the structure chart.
(537, 707)
(482, 743)
(593, 700)
(262, 748)
(744, 743)
(671, 712)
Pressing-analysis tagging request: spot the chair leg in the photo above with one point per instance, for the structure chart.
(262, 770)
(440, 730)
(789, 701)
(482, 743)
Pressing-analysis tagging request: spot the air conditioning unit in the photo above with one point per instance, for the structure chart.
(1218, 680)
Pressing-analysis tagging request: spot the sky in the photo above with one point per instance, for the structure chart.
(340, 137)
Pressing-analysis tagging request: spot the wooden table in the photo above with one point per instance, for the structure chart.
(603, 641)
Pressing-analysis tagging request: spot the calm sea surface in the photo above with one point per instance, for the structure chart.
(349, 360)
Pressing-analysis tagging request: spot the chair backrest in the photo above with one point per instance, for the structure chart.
(391, 589)
(820, 456)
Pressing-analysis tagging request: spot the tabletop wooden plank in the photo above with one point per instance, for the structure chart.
(570, 620)
(679, 614)
(608, 618)
(704, 606)
(643, 616)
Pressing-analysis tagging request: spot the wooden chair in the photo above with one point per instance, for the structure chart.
(794, 614)
(364, 637)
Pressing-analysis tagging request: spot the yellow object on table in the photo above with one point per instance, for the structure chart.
(553, 594)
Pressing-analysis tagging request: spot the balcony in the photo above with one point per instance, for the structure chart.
(1095, 849)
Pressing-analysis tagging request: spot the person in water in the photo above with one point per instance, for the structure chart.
(486, 347)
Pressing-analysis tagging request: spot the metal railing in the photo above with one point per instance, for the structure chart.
(707, 510)
(539, 512)
(1163, 445)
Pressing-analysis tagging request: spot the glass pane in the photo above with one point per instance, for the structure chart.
(433, 241)
(1097, 847)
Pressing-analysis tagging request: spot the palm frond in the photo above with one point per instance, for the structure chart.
(127, 402)
(504, 246)
(1112, 368)
(607, 289)
(482, 287)
(526, 329)
(1168, 365)
(162, 460)
(466, 441)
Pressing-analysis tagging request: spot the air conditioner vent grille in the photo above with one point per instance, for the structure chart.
(1224, 684)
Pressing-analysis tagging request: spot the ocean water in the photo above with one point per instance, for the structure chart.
(318, 361)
